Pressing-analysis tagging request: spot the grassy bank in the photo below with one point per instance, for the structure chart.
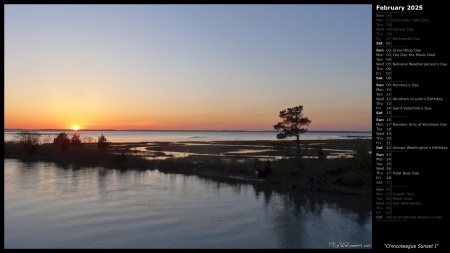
(222, 161)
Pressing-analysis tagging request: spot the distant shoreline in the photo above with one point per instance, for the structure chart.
(187, 135)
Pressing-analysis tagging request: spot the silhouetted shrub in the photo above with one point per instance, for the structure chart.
(76, 140)
(102, 143)
(265, 170)
(320, 153)
(62, 140)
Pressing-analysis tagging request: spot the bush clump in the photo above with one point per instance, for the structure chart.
(102, 143)
(62, 140)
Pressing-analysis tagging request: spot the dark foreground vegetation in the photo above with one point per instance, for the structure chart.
(344, 174)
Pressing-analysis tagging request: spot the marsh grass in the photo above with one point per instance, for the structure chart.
(341, 175)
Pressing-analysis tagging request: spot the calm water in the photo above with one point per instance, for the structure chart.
(138, 136)
(47, 206)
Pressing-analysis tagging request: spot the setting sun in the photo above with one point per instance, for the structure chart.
(213, 92)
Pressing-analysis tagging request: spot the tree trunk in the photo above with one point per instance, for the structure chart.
(298, 151)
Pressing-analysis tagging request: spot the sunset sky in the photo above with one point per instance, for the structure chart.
(215, 67)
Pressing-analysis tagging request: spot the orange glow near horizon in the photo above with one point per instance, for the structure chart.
(46, 116)
(196, 72)
(320, 122)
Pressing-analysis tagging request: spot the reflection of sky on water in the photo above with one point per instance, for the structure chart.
(147, 151)
(139, 136)
(104, 208)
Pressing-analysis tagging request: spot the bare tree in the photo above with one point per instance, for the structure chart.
(29, 140)
(87, 139)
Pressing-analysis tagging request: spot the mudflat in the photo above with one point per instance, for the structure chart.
(243, 149)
